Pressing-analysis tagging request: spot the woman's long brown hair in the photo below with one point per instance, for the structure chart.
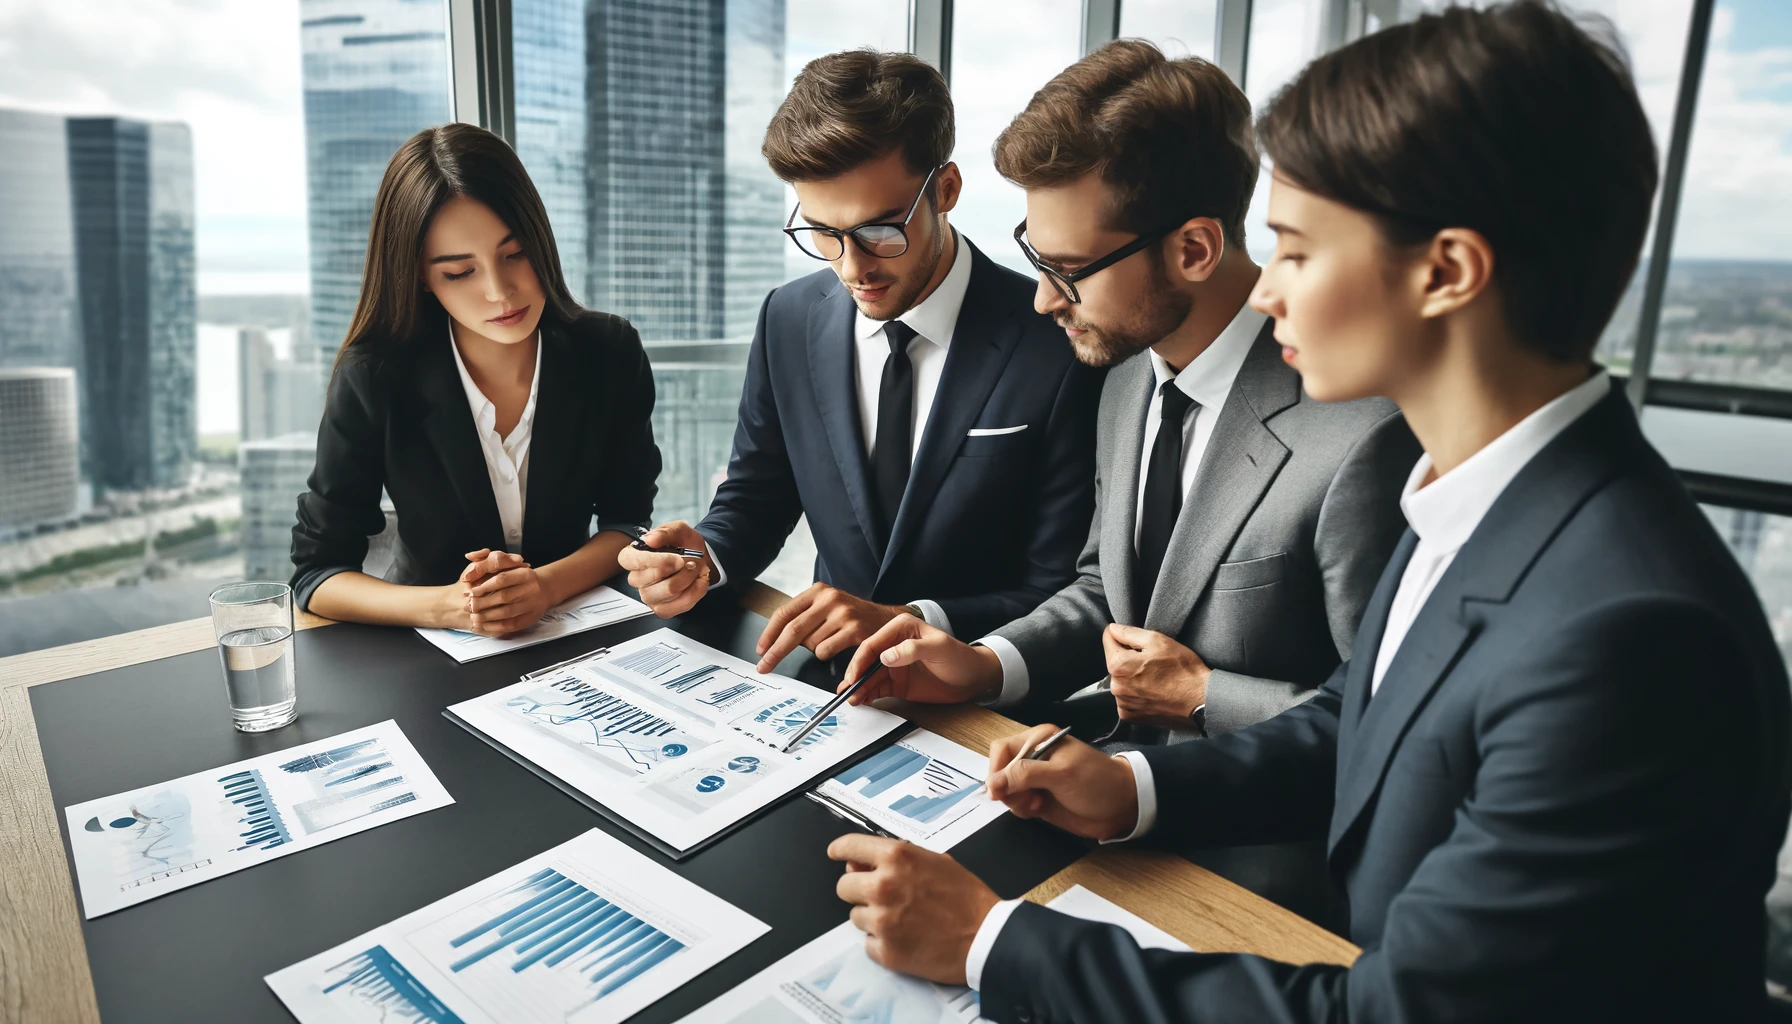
(433, 166)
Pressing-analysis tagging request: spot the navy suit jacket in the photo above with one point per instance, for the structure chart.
(989, 526)
(1563, 804)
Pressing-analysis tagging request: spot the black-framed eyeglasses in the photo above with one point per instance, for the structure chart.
(885, 241)
(1065, 281)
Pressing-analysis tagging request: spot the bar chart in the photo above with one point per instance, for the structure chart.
(262, 827)
(374, 988)
(924, 788)
(617, 729)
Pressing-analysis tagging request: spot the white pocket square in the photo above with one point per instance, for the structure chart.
(994, 431)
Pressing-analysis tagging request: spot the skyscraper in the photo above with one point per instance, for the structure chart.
(39, 320)
(547, 42)
(683, 213)
(273, 473)
(376, 73)
(277, 393)
(40, 473)
(131, 189)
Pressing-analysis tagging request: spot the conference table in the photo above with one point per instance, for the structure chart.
(97, 718)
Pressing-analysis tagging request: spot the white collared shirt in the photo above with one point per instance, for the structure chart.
(506, 458)
(1207, 379)
(1445, 512)
(934, 320)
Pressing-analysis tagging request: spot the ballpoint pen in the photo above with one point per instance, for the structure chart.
(1035, 754)
(839, 698)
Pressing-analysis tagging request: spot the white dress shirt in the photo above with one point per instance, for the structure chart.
(1446, 511)
(506, 458)
(1207, 379)
(934, 319)
(1444, 514)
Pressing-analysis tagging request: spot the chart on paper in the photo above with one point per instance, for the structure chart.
(831, 980)
(676, 738)
(138, 845)
(924, 788)
(601, 606)
(588, 932)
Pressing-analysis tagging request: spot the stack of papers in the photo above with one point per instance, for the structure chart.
(593, 608)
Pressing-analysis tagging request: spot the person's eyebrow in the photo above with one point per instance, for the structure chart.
(1058, 259)
(1285, 229)
(886, 217)
(433, 260)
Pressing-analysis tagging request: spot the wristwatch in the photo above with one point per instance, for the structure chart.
(1199, 719)
(916, 612)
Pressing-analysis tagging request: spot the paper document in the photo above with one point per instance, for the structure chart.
(138, 845)
(593, 608)
(589, 932)
(678, 738)
(832, 981)
(925, 789)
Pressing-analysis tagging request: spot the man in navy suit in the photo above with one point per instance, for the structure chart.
(1552, 779)
(936, 430)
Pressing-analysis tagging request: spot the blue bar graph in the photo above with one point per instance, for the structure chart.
(263, 828)
(552, 923)
(365, 750)
(925, 809)
(382, 984)
(690, 680)
(649, 661)
(728, 693)
(580, 713)
(884, 769)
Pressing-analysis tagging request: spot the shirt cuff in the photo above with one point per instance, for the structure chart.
(1014, 672)
(1147, 789)
(985, 941)
(721, 579)
(932, 614)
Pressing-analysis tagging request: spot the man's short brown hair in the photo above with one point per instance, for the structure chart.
(1172, 138)
(858, 105)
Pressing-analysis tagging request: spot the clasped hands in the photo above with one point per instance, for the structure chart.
(498, 594)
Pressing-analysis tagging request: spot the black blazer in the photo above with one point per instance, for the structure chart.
(1563, 804)
(989, 527)
(401, 422)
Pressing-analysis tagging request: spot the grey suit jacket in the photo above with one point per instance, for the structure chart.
(1293, 513)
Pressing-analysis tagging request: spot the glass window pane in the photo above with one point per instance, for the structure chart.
(1762, 543)
(1727, 313)
(250, 138)
(1180, 28)
(1001, 55)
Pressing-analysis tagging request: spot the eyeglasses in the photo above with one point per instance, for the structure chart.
(885, 241)
(1065, 281)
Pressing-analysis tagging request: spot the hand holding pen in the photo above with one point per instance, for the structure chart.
(1079, 789)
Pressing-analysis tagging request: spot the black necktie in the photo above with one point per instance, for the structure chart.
(895, 425)
(1163, 488)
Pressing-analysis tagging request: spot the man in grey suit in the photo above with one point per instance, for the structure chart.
(1231, 554)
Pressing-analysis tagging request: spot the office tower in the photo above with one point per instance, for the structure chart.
(547, 40)
(273, 473)
(753, 261)
(277, 393)
(40, 461)
(39, 321)
(375, 72)
(131, 190)
(679, 93)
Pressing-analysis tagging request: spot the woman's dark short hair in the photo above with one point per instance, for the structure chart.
(1515, 122)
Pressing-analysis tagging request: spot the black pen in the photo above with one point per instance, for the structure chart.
(1036, 754)
(640, 544)
(839, 699)
(851, 817)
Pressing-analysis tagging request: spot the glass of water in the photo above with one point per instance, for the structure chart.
(254, 626)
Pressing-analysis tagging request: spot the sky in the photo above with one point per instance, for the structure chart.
(230, 69)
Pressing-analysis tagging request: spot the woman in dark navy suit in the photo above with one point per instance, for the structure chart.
(499, 416)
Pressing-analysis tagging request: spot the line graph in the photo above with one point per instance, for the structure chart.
(781, 718)
(622, 732)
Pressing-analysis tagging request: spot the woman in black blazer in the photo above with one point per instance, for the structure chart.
(498, 415)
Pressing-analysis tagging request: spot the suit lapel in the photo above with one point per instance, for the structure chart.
(554, 436)
(831, 376)
(982, 342)
(1241, 460)
(1368, 639)
(1133, 382)
(1516, 529)
(450, 427)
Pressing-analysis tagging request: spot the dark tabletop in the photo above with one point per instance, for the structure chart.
(199, 954)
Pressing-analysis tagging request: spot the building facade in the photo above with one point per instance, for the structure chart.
(40, 323)
(40, 463)
(273, 473)
(277, 392)
(375, 73)
(131, 193)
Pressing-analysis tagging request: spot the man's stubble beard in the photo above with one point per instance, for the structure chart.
(911, 291)
(1111, 344)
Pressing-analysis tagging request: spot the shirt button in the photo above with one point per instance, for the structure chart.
(1023, 1014)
